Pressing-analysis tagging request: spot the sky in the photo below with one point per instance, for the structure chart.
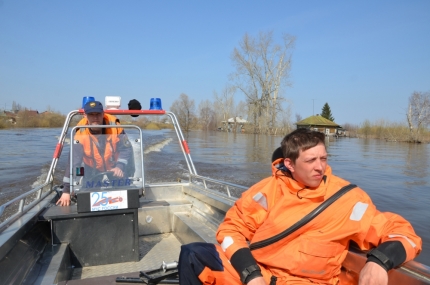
(364, 58)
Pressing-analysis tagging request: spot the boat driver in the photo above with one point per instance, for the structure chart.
(111, 142)
(258, 246)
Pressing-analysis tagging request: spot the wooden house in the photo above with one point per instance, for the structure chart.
(321, 124)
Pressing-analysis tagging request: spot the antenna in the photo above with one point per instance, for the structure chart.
(313, 104)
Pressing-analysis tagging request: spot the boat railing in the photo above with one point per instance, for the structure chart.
(22, 207)
(226, 186)
(16, 213)
(411, 272)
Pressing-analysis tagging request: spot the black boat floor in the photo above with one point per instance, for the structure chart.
(153, 251)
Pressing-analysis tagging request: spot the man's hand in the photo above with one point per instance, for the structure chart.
(64, 200)
(373, 274)
(117, 172)
(257, 281)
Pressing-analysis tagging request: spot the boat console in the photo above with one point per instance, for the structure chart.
(106, 205)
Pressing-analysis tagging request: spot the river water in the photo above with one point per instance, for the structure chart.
(395, 175)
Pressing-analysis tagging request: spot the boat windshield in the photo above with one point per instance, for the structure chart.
(108, 161)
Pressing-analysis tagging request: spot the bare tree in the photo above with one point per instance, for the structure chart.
(207, 114)
(351, 129)
(241, 109)
(184, 109)
(239, 113)
(262, 70)
(298, 117)
(16, 107)
(418, 114)
(285, 126)
(225, 104)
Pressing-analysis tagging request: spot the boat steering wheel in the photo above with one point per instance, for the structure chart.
(99, 176)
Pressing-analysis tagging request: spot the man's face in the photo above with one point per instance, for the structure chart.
(310, 166)
(95, 118)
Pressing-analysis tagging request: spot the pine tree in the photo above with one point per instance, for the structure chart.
(326, 112)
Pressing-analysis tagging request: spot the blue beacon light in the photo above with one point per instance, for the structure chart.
(155, 104)
(87, 99)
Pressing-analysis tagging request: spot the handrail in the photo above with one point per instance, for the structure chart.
(22, 209)
(356, 258)
(417, 268)
(219, 182)
(183, 143)
(49, 179)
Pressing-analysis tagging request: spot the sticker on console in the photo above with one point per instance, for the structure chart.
(109, 200)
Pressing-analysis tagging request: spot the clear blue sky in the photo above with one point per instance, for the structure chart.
(364, 58)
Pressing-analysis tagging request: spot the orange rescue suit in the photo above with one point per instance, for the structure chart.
(315, 252)
(90, 144)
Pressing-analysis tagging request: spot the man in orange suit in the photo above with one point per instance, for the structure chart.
(257, 246)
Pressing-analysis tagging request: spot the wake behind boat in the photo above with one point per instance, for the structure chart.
(125, 230)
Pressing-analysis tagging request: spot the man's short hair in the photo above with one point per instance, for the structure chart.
(300, 140)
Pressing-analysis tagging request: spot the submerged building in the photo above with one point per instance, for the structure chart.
(321, 124)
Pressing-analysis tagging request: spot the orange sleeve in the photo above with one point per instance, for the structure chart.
(389, 227)
(378, 227)
(242, 220)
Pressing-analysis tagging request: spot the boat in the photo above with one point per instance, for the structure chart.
(129, 231)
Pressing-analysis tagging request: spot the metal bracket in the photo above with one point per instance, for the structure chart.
(166, 274)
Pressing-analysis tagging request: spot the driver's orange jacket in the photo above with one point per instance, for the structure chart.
(91, 154)
(315, 252)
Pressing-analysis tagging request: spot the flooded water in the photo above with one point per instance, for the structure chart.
(396, 175)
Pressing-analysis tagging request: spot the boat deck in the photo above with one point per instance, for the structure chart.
(153, 250)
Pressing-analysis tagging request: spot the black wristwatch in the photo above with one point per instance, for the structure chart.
(381, 257)
(248, 271)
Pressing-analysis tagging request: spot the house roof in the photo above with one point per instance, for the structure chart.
(317, 120)
(238, 120)
(9, 114)
(31, 112)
